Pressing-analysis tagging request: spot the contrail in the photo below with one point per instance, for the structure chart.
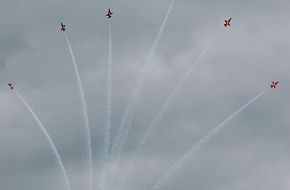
(109, 97)
(52, 146)
(88, 149)
(128, 116)
(108, 120)
(154, 124)
(171, 172)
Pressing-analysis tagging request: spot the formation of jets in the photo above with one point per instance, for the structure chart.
(109, 14)
(227, 22)
(274, 84)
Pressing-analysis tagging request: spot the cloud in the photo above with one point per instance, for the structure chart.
(2, 63)
(241, 62)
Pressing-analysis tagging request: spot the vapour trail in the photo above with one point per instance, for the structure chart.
(52, 146)
(108, 120)
(128, 116)
(154, 123)
(109, 96)
(88, 149)
(184, 159)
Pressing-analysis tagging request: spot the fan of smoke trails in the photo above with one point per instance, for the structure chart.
(128, 116)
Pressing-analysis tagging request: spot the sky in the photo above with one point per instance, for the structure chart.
(238, 63)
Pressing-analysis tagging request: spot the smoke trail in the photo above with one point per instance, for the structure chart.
(52, 146)
(109, 97)
(128, 116)
(88, 149)
(108, 120)
(154, 124)
(171, 172)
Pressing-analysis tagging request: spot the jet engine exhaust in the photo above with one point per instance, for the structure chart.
(51, 144)
(129, 114)
(88, 149)
(154, 124)
(108, 120)
(185, 158)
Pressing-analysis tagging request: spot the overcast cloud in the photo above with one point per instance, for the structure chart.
(251, 153)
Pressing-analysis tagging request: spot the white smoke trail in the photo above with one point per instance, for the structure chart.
(154, 124)
(88, 149)
(108, 120)
(171, 172)
(52, 146)
(109, 96)
(128, 116)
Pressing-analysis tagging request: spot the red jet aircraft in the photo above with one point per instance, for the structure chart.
(62, 27)
(227, 22)
(274, 84)
(11, 86)
(109, 14)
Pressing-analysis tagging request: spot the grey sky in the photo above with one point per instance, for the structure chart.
(251, 153)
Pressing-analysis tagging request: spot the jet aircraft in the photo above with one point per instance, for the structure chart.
(62, 27)
(274, 84)
(11, 86)
(109, 14)
(227, 22)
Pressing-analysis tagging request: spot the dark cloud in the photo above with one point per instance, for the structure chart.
(250, 153)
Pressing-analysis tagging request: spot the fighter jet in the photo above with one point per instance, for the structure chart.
(62, 27)
(109, 14)
(227, 22)
(11, 86)
(274, 84)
